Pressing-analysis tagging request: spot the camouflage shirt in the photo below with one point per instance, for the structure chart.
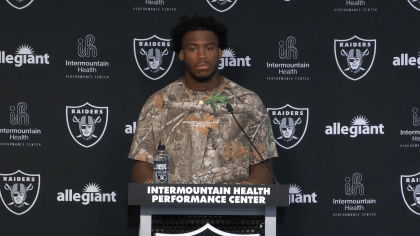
(202, 140)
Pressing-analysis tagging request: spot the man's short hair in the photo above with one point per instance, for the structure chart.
(196, 23)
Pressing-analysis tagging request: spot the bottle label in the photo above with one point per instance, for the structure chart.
(161, 169)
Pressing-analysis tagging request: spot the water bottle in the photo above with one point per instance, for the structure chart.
(161, 166)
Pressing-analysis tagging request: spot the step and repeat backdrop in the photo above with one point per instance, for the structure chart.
(74, 76)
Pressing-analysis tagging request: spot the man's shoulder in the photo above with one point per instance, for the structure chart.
(240, 91)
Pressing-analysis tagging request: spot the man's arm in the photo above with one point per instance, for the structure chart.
(259, 174)
(142, 171)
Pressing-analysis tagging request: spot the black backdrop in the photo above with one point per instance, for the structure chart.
(319, 163)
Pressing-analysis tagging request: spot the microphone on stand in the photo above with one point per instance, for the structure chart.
(230, 109)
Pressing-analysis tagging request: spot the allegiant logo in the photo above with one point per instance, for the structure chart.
(24, 55)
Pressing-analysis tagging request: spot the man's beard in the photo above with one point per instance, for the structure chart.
(202, 79)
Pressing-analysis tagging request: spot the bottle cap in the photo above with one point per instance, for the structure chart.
(161, 147)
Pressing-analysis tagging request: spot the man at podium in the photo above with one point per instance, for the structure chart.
(190, 118)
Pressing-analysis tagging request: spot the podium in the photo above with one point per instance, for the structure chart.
(207, 199)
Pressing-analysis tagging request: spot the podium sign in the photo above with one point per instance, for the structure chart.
(208, 195)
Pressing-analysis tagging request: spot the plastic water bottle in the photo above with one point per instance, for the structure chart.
(161, 166)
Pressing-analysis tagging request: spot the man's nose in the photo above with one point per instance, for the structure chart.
(201, 53)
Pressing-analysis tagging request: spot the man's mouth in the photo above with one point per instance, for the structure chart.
(203, 65)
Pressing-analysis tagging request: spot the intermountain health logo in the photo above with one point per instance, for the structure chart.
(92, 192)
(153, 56)
(289, 68)
(20, 133)
(87, 123)
(359, 126)
(415, 4)
(410, 190)
(289, 125)
(355, 204)
(90, 66)
(25, 55)
(230, 60)
(414, 132)
(221, 5)
(19, 4)
(346, 6)
(155, 5)
(355, 56)
(19, 191)
(296, 195)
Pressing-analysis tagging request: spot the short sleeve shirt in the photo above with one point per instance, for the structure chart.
(202, 140)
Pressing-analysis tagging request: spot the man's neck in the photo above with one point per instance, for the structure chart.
(195, 85)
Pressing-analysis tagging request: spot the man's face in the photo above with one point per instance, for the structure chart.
(18, 197)
(200, 54)
(86, 130)
(286, 131)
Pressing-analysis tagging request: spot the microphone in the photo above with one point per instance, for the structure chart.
(230, 109)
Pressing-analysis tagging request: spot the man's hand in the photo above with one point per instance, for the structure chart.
(142, 171)
(259, 174)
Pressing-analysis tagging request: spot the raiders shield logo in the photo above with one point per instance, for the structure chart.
(221, 5)
(19, 191)
(415, 4)
(410, 190)
(162, 176)
(153, 56)
(87, 123)
(288, 124)
(19, 4)
(354, 56)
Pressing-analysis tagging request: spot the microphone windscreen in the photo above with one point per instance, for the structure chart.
(229, 107)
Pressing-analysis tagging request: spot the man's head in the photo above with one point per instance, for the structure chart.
(287, 127)
(355, 59)
(86, 126)
(18, 193)
(199, 41)
(416, 195)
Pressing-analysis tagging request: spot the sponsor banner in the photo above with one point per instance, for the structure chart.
(346, 6)
(354, 203)
(410, 190)
(229, 59)
(221, 5)
(87, 123)
(289, 125)
(19, 191)
(88, 65)
(24, 56)
(296, 196)
(154, 6)
(20, 4)
(359, 126)
(355, 56)
(153, 56)
(290, 67)
(92, 193)
(131, 129)
(405, 60)
(210, 195)
(19, 133)
(412, 135)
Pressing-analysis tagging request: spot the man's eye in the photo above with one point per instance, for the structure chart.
(192, 49)
(209, 48)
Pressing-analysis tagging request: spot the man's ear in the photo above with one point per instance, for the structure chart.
(220, 53)
(181, 55)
